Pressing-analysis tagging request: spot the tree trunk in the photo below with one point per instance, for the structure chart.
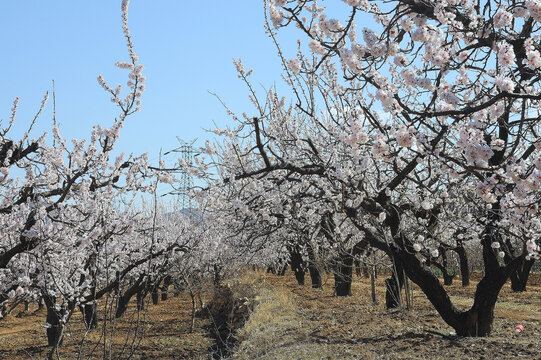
(54, 323)
(90, 315)
(314, 269)
(141, 294)
(447, 278)
(125, 298)
(165, 287)
(373, 284)
(464, 266)
(343, 275)
(393, 286)
(479, 319)
(366, 271)
(297, 265)
(192, 323)
(282, 269)
(218, 277)
(315, 276)
(519, 278)
(392, 293)
(155, 293)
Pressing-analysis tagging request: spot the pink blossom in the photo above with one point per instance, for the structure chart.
(504, 84)
(294, 65)
(400, 60)
(534, 7)
(502, 19)
(316, 47)
(506, 54)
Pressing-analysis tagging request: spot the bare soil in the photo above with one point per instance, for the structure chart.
(340, 328)
(354, 328)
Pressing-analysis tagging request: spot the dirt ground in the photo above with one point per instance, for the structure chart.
(354, 328)
(330, 327)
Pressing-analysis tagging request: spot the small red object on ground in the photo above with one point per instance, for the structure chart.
(519, 328)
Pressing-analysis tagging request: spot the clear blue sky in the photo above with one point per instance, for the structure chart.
(186, 46)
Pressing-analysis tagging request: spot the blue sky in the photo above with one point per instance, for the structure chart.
(186, 47)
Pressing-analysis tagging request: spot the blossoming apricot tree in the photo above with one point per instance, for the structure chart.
(435, 98)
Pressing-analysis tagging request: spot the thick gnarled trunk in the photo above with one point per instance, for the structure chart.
(479, 319)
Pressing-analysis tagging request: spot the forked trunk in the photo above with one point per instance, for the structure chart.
(479, 319)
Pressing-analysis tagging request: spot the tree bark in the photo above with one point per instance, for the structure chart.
(464, 266)
(366, 271)
(282, 269)
(141, 293)
(54, 328)
(165, 287)
(315, 276)
(519, 278)
(479, 319)
(447, 278)
(343, 271)
(125, 298)
(155, 293)
(393, 286)
(90, 315)
(217, 276)
(297, 264)
(314, 269)
(373, 284)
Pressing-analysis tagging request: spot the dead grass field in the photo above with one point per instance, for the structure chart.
(294, 322)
